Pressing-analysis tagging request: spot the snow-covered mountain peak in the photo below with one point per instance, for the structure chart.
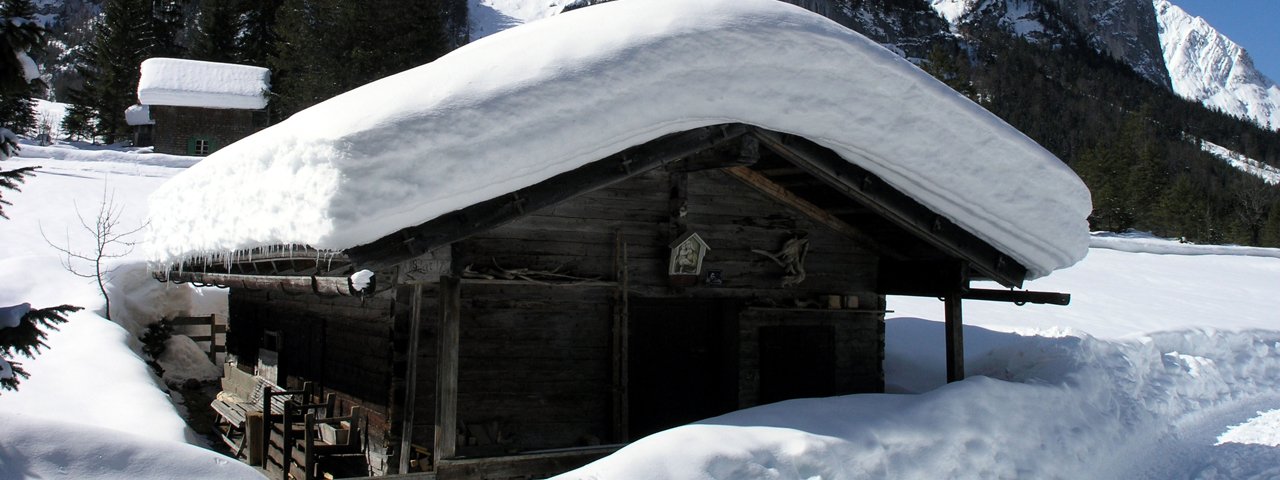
(952, 10)
(1206, 66)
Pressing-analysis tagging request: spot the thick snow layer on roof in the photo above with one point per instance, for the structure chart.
(138, 115)
(193, 83)
(523, 105)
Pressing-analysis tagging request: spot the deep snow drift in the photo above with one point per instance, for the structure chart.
(92, 408)
(523, 105)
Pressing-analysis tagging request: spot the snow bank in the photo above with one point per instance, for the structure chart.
(1067, 407)
(1127, 287)
(78, 152)
(1141, 242)
(42, 448)
(193, 83)
(523, 105)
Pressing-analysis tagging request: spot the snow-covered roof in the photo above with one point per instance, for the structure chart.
(193, 83)
(518, 107)
(138, 115)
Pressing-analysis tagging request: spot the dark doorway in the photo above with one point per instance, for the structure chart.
(681, 362)
(796, 362)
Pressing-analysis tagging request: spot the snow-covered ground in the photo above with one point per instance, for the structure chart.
(1166, 365)
(92, 408)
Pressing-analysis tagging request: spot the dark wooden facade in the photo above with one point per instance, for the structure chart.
(548, 319)
(179, 130)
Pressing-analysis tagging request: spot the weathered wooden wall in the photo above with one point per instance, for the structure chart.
(537, 360)
(175, 126)
(341, 344)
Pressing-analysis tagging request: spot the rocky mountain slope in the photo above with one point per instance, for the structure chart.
(1160, 41)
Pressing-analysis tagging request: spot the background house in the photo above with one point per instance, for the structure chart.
(198, 107)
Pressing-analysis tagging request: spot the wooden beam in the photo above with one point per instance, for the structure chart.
(280, 283)
(1018, 296)
(900, 209)
(495, 212)
(955, 338)
(621, 318)
(411, 375)
(781, 195)
(446, 426)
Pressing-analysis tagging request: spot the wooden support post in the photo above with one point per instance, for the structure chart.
(955, 338)
(620, 317)
(411, 376)
(446, 432)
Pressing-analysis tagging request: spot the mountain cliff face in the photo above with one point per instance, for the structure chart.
(1123, 29)
(1209, 68)
(1126, 29)
(1157, 39)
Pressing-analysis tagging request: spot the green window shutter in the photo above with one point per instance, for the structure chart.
(191, 146)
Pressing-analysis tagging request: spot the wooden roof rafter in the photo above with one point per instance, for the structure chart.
(870, 191)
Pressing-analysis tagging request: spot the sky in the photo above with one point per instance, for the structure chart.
(1250, 23)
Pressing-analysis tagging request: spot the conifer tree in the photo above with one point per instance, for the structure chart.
(111, 71)
(327, 47)
(216, 31)
(256, 39)
(17, 107)
(22, 332)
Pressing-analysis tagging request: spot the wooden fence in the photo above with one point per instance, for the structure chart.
(216, 338)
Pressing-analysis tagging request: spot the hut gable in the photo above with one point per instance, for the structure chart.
(199, 107)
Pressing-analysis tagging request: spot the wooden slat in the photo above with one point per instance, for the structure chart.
(447, 370)
(955, 338)
(411, 390)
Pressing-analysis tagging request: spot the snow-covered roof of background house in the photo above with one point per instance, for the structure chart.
(138, 115)
(193, 83)
(520, 106)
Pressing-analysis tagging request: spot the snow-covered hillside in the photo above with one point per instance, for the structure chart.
(1245, 164)
(1208, 67)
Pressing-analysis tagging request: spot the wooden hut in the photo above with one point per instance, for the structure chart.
(695, 271)
(191, 107)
